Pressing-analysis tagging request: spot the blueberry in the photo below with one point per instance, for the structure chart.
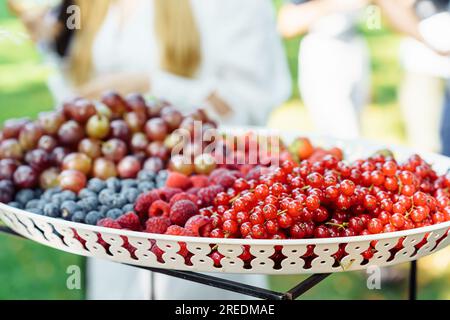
(38, 193)
(57, 199)
(36, 211)
(51, 210)
(68, 195)
(86, 193)
(113, 184)
(68, 208)
(15, 205)
(114, 213)
(96, 185)
(24, 196)
(146, 186)
(35, 203)
(78, 216)
(103, 210)
(118, 200)
(105, 197)
(88, 204)
(129, 183)
(47, 195)
(161, 178)
(131, 194)
(128, 207)
(146, 175)
(93, 217)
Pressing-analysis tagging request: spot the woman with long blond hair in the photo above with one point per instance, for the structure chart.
(222, 55)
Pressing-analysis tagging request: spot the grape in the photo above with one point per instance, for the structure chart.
(6, 191)
(47, 143)
(136, 103)
(12, 127)
(38, 159)
(51, 121)
(172, 117)
(7, 168)
(204, 163)
(120, 130)
(58, 154)
(77, 161)
(30, 135)
(135, 121)
(25, 177)
(72, 180)
(153, 164)
(91, 147)
(114, 149)
(70, 133)
(97, 127)
(181, 164)
(81, 110)
(10, 148)
(158, 149)
(156, 129)
(128, 167)
(115, 103)
(104, 169)
(49, 178)
(139, 142)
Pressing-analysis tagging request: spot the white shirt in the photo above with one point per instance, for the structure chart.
(242, 56)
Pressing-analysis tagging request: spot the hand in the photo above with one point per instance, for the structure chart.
(35, 19)
(288, 22)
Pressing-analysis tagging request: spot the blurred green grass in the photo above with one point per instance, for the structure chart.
(31, 271)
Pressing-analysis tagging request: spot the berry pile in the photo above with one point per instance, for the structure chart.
(100, 199)
(329, 198)
(83, 139)
(313, 199)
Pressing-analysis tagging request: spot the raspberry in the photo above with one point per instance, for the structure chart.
(254, 173)
(181, 211)
(157, 225)
(193, 190)
(167, 193)
(223, 177)
(109, 223)
(144, 201)
(207, 195)
(180, 196)
(175, 230)
(199, 181)
(196, 223)
(130, 221)
(183, 196)
(178, 180)
(159, 208)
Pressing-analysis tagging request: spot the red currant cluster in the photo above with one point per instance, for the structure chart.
(330, 198)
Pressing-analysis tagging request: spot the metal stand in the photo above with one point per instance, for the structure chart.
(262, 293)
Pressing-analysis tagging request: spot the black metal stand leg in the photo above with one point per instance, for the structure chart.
(413, 280)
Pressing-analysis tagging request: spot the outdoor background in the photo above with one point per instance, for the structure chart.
(32, 271)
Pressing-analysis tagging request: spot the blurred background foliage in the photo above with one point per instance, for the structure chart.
(31, 271)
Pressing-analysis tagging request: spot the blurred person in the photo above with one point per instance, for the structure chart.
(185, 51)
(223, 55)
(334, 67)
(422, 90)
(426, 58)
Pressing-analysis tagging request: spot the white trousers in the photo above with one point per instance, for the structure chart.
(113, 281)
(334, 82)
